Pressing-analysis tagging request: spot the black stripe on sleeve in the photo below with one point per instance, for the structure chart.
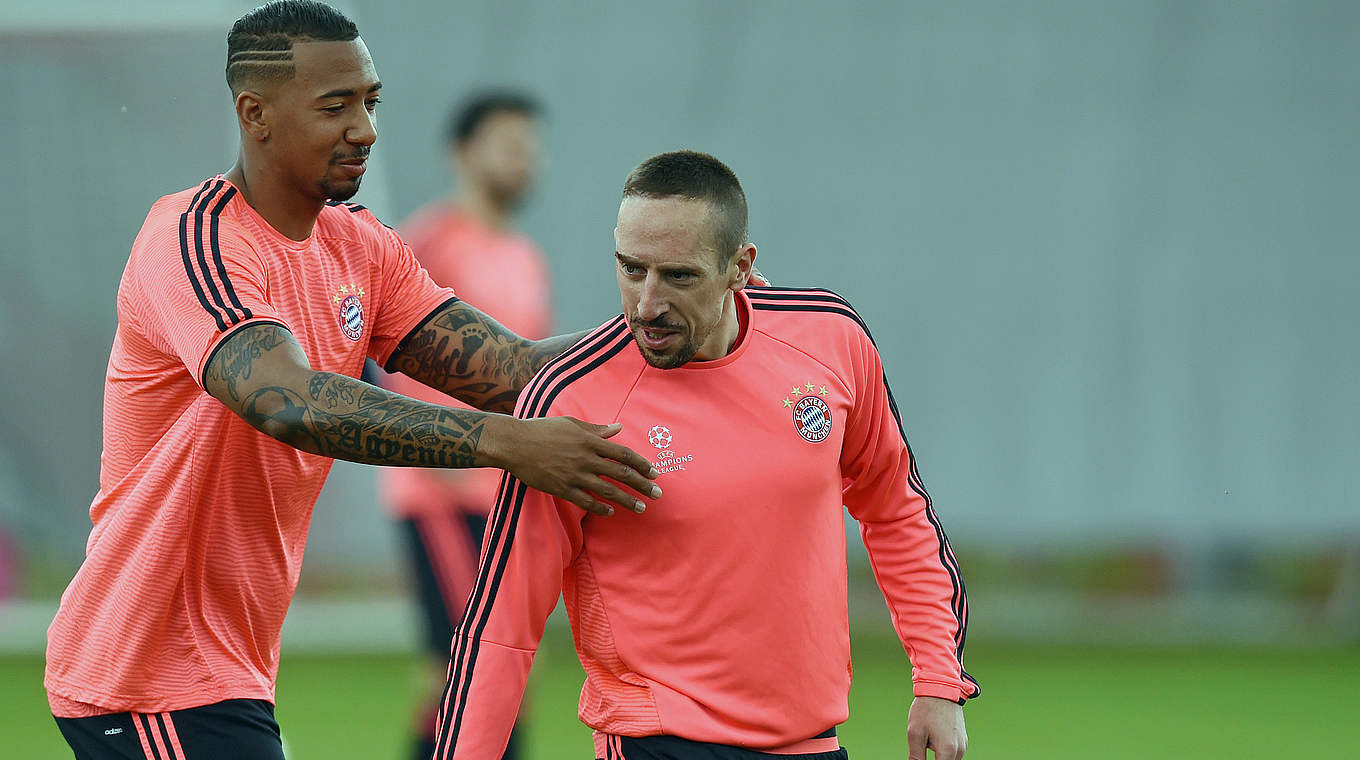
(188, 265)
(217, 255)
(401, 345)
(828, 302)
(543, 390)
(202, 257)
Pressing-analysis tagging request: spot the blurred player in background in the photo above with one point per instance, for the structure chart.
(468, 243)
(714, 626)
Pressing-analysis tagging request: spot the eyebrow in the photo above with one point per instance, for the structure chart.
(348, 93)
(625, 259)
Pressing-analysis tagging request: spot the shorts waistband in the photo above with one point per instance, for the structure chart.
(608, 745)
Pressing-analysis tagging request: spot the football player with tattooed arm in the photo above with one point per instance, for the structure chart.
(245, 314)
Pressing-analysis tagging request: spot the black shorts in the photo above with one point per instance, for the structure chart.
(443, 585)
(237, 729)
(675, 748)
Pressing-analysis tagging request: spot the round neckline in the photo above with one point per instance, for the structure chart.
(745, 316)
(263, 225)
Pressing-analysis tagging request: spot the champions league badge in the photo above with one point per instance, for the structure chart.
(812, 418)
(351, 311)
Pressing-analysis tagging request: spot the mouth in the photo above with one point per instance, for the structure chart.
(354, 168)
(656, 339)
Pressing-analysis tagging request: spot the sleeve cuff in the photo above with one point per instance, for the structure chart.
(940, 690)
(221, 340)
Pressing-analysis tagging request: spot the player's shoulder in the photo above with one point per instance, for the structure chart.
(179, 224)
(343, 218)
(814, 311)
(205, 199)
(596, 371)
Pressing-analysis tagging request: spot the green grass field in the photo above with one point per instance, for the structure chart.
(1039, 701)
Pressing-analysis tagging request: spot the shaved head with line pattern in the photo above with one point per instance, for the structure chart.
(260, 44)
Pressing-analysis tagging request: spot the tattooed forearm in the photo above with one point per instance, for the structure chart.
(348, 419)
(473, 358)
(263, 375)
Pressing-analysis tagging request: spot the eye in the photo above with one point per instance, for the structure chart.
(630, 269)
(372, 103)
(682, 276)
(335, 108)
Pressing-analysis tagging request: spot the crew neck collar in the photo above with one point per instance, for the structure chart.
(744, 330)
(262, 224)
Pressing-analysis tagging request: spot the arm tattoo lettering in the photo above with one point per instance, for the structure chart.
(344, 418)
(234, 360)
(470, 356)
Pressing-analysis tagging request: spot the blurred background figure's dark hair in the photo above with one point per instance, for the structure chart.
(469, 114)
(690, 174)
(260, 43)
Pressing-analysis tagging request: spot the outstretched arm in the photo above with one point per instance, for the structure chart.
(262, 374)
(472, 357)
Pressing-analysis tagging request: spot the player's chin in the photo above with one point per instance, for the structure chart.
(676, 357)
(340, 189)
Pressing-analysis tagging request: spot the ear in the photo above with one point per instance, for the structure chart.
(250, 112)
(740, 268)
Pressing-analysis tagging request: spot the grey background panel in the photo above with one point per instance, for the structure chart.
(1107, 249)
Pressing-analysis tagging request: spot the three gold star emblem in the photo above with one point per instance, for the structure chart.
(348, 288)
(806, 389)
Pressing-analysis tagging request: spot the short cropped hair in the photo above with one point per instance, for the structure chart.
(260, 44)
(698, 176)
(469, 114)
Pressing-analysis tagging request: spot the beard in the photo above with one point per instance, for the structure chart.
(676, 357)
(341, 190)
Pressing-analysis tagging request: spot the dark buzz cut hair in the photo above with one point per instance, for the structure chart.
(260, 43)
(469, 114)
(699, 176)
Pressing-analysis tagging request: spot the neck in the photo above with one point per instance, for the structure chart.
(724, 337)
(292, 214)
(477, 202)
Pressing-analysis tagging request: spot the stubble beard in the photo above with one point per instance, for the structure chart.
(339, 191)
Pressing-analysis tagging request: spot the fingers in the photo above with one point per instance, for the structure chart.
(608, 492)
(585, 501)
(945, 750)
(916, 744)
(637, 472)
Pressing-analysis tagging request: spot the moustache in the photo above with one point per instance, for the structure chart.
(655, 324)
(358, 156)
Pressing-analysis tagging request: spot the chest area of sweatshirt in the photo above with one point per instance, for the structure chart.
(328, 294)
(743, 444)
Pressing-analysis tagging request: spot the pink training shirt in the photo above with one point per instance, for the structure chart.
(200, 522)
(718, 615)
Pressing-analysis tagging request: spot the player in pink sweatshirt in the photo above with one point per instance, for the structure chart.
(714, 625)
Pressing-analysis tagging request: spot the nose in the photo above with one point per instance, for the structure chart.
(651, 299)
(365, 131)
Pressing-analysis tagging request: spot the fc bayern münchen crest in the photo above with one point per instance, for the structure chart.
(352, 318)
(812, 418)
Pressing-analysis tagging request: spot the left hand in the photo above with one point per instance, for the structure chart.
(936, 724)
